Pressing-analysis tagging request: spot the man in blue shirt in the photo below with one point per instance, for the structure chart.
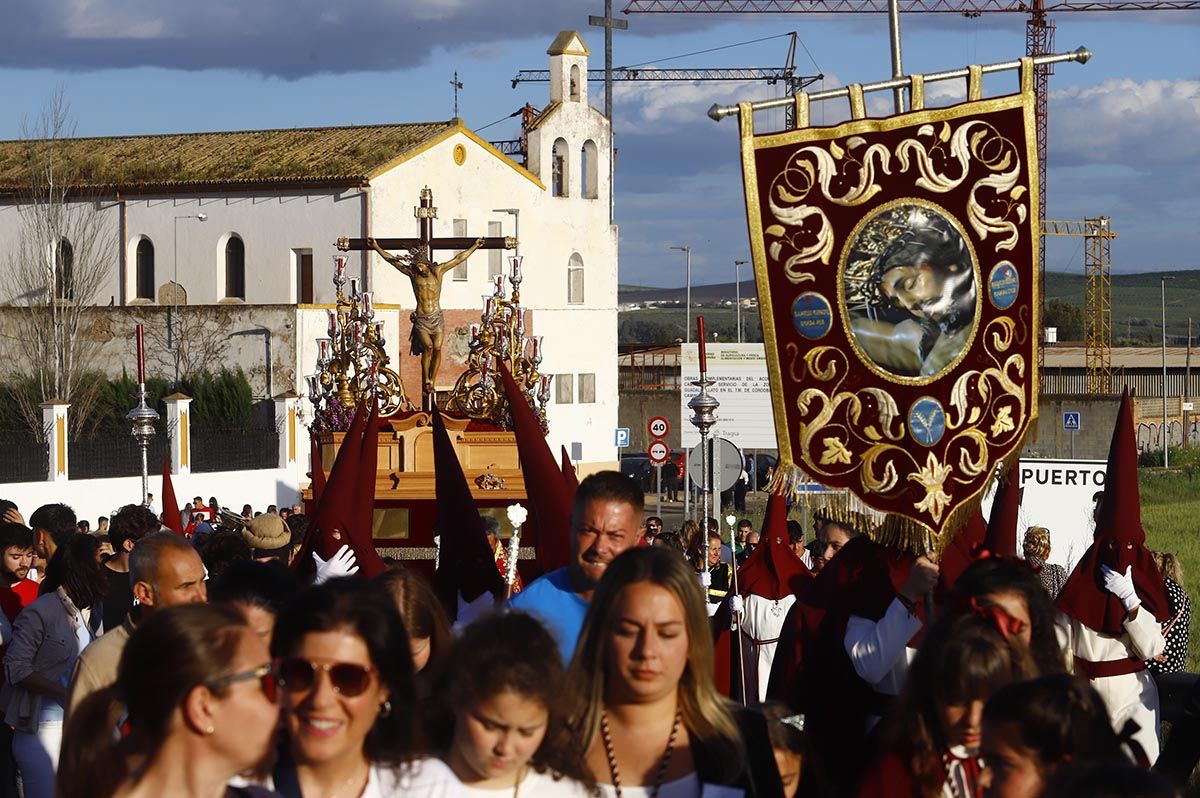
(606, 519)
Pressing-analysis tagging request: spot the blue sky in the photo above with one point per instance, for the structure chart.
(1124, 140)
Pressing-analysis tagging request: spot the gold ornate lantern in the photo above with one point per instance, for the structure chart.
(351, 360)
(501, 338)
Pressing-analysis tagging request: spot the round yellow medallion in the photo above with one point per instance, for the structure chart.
(460, 154)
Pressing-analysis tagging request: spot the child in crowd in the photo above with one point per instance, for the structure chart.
(931, 742)
(499, 722)
(1031, 729)
(793, 751)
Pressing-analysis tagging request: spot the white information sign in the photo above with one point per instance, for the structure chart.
(1057, 494)
(743, 389)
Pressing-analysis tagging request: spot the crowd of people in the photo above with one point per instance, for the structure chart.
(655, 664)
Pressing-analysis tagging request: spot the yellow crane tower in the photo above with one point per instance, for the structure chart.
(1097, 267)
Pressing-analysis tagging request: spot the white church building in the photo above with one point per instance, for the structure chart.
(249, 220)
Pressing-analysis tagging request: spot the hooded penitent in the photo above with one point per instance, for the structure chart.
(318, 471)
(549, 501)
(1119, 542)
(466, 564)
(773, 571)
(995, 538)
(170, 504)
(570, 478)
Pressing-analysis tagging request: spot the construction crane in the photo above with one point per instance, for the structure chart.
(1097, 235)
(786, 75)
(1039, 39)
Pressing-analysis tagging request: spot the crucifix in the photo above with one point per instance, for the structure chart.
(457, 84)
(415, 261)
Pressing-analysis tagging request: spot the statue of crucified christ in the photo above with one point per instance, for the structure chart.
(427, 320)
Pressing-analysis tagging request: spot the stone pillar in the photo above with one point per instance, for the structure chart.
(179, 432)
(54, 421)
(287, 405)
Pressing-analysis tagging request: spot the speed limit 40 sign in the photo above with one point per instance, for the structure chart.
(658, 427)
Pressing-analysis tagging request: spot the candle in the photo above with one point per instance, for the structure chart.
(313, 390)
(141, 354)
(483, 366)
(323, 348)
(537, 344)
(367, 309)
(544, 388)
(332, 323)
(487, 309)
(700, 336)
(358, 333)
(379, 331)
(353, 287)
(339, 266)
(474, 331)
(520, 323)
(516, 267)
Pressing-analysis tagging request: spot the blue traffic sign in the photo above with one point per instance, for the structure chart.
(1071, 421)
(621, 438)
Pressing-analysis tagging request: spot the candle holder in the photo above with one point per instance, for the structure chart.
(501, 338)
(352, 361)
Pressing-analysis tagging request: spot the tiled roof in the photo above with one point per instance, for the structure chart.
(249, 157)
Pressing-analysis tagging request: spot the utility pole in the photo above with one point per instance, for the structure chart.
(737, 276)
(609, 23)
(1162, 281)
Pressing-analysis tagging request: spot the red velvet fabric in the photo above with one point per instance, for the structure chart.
(318, 470)
(466, 563)
(549, 502)
(170, 516)
(773, 570)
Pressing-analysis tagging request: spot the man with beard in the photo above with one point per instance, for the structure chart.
(606, 519)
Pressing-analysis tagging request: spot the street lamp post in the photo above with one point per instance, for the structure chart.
(688, 323)
(174, 308)
(737, 271)
(1162, 283)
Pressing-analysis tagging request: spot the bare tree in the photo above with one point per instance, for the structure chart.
(60, 259)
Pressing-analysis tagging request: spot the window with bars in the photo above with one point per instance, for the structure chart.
(564, 390)
(587, 389)
(460, 231)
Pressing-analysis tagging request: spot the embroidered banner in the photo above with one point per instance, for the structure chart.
(896, 262)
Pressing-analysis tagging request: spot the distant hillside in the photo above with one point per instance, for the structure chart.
(1136, 311)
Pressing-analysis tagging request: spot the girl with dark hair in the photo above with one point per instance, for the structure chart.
(931, 740)
(428, 628)
(1032, 728)
(646, 714)
(346, 672)
(195, 703)
(793, 751)
(499, 721)
(47, 638)
(1013, 587)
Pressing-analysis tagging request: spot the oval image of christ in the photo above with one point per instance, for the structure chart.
(909, 285)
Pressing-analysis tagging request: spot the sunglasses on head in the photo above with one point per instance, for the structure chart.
(268, 681)
(347, 678)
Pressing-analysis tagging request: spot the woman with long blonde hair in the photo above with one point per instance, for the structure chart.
(646, 714)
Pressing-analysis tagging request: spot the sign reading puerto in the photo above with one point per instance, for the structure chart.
(658, 427)
(658, 452)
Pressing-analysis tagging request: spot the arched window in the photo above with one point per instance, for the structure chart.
(144, 259)
(235, 268)
(64, 270)
(588, 170)
(574, 87)
(575, 280)
(559, 174)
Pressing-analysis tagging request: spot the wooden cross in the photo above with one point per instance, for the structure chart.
(425, 213)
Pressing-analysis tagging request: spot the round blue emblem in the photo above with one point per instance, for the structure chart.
(812, 315)
(1003, 285)
(927, 421)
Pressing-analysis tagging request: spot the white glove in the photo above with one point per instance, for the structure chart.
(339, 565)
(705, 579)
(1121, 586)
(736, 605)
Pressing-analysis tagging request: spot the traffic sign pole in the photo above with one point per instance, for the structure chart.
(658, 490)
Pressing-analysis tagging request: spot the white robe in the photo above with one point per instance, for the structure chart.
(1131, 695)
(762, 619)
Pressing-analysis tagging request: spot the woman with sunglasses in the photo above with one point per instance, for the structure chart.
(646, 715)
(346, 674)
(194, 703)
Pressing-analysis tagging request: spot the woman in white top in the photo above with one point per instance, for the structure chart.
(346, 677)
(498, 717)
(646, 715)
